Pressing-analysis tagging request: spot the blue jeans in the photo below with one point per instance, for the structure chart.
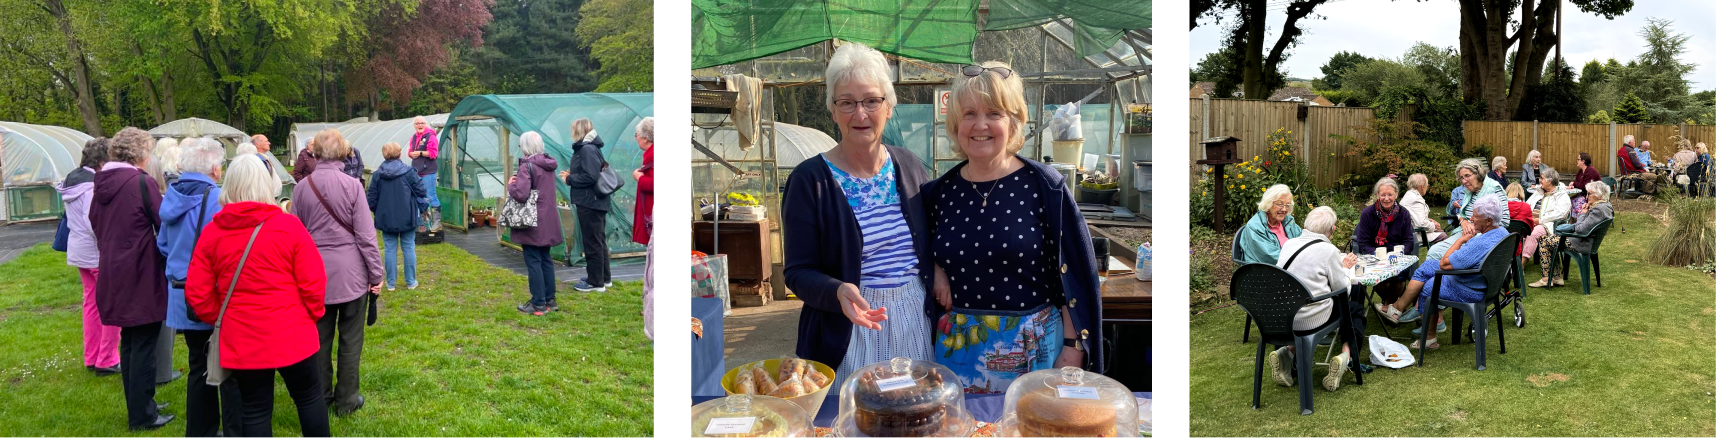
(429, 190)
(407, 243)
(540, 267)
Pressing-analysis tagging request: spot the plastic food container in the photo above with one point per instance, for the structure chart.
(1068, 402)
(811, 403)
(749, 415)
(902, 397)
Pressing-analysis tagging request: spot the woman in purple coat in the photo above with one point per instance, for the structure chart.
(131, 291)
(335, 210)
(536, 174)
(1385, 224)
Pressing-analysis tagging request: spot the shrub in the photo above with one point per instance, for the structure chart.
(1691, 235)
(1246, 181)
(1389, 146)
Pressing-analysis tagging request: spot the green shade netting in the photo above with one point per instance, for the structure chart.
(615, 116)
(1097, 24)
(731, 31)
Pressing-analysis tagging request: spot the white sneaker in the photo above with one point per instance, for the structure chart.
(1282, 373)
(1337, 368)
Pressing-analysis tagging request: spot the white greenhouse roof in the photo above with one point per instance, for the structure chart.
(366, 137)
(38, 154)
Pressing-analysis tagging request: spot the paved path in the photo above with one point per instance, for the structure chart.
(760, 333)
(485, 244)
(17, 237)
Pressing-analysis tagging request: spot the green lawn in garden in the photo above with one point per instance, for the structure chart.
(1636, 357)
(451, 358)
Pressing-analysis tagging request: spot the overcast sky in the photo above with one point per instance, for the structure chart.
(1386, 28)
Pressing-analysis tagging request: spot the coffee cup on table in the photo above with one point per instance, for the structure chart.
(1399, 249)
(1381, 252)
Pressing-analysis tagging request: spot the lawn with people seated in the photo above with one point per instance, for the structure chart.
(451, 358)
(1633, 358)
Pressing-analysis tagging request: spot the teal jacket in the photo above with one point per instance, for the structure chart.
(1255, 244)
(1490, 188)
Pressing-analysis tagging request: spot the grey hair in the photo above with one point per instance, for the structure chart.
(1376, 190)
(1320, 220)
(245, 148)
(530, 143)
(1491, 207)
(1553, 176)
(854, 61)
(1476, 165)
(1418, 182)
(202, 155)
(130, 145)
(1269, 196)
(248, 180)
(414, 120)
(646, 129)
(1533, 154)
(1598, 189)
(1628, 139)
(1498, 161)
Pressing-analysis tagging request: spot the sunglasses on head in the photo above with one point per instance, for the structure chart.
(977, 70)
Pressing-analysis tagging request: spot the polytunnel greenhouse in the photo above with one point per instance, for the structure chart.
(228, 136)
(33, 158)
(366, 137)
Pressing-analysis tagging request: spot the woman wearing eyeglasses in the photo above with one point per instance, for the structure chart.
(1015, 276)
(854, 230)
(1260, 240)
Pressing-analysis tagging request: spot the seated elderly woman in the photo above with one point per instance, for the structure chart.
(1383, 224)
(1321, 267)
(1518, 210)
(1416, 186)
(1498, 170)
(1473, 186)
(1587, 216)
(1260, 240)
(1477, 236)
(1533, 169)
(1550, 204)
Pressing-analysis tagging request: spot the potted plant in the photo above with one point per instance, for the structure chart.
(483, 212)
(744, 206)
(1098, 188)
(1138, 119)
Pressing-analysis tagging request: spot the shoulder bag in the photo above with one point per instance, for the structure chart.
(180, 282)
(216, 374)
(608, 181)
(373, 298)
(519, 214)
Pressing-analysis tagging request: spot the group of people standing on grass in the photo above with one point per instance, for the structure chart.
(168, 241)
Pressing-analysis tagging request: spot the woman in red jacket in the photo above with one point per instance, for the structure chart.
(269, 326)
(644, 208)
(1518, 210)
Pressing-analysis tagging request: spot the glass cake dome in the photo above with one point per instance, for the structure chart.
(749, 415)
(1068, 402)
(902, 397)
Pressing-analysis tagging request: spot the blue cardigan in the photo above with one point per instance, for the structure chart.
(1077, 259)
(824, 248)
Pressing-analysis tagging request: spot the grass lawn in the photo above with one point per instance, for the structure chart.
(450, 358)
(1636, 357)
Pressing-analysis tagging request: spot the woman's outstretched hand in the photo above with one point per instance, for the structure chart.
(858, 310)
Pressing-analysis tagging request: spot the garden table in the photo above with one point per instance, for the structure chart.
(1377, 272)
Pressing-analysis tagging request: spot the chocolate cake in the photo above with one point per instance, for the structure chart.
(1042, 413)
(907, 412)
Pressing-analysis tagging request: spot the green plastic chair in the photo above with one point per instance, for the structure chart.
(1588, 263)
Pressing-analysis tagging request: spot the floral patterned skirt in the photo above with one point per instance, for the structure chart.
(989, 349)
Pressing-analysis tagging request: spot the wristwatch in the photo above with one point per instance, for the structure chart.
(1073, 343)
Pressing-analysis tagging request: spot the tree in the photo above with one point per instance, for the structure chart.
(624, 49)
(1440, 67)
(1559, 98)
(1600, 117)
(1221, 68)
(1658, 76)
(1485, 43)
(1368, 80)
(1631, 110)
(1249, 38)
(412, 40)
(532, 47)
(35, 33)
(1337, 65)
(254, 50)
(1591, 74)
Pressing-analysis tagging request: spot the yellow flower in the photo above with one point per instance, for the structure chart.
(1206, 193)
(1286, 153)
(1242, 186)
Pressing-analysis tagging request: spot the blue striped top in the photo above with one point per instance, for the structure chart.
(888, 259)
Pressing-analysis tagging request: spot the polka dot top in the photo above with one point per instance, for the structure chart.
(998, 254)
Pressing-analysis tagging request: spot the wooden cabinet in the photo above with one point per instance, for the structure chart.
(746, 245)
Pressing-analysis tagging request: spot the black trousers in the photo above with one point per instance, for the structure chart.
(207, 407)
(539, 266)
(344, 322)
(303, 382)
(137, 345)
(593, 235)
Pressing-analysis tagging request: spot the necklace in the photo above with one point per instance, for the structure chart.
(980, 192)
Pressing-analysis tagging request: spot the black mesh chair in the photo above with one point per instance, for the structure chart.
(1234, 253)
(1272, 297)
(1494, 270)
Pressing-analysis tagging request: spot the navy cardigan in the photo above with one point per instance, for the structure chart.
(1077, 259)
(824, 249)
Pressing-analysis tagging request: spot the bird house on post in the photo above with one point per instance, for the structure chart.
(1221, 150)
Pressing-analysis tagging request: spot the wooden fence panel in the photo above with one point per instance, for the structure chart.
(1195, 150)
(1319, 123)
(1561, 143)
(1705, 134)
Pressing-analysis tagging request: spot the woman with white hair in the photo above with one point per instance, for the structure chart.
(1498, 170)
(1478, 235)
(1595, 210)
(854, 229)
(1384, 224)
(1473, 186)
(1260, 240)
(1319, 265)
(1012, 256)
(164, 161)
(335, 210)
(643, 216)
(257, 274)
(1533, 168)
(534, 182)
(1416, 186)
(187, 207)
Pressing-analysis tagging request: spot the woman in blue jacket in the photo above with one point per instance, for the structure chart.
(397, 198)
(187, 206)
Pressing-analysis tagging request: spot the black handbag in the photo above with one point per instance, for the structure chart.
(62, 235)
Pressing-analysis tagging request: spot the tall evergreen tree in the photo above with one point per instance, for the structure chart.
(1631, 110)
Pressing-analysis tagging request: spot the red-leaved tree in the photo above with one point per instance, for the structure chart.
(406, 45)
